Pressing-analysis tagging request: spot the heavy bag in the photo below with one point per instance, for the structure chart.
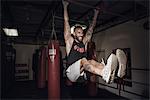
(92, 89)
(42, 68)
(53, 70)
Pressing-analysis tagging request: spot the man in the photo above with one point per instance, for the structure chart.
(76, 47)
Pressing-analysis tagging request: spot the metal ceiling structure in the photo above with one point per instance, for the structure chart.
(33, 19)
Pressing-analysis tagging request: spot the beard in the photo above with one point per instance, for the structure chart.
(79, 38)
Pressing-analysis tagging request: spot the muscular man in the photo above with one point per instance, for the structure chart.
(76, 47)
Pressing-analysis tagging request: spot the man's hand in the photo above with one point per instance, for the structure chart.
(96, 11)
(100, 7)
(65, 2)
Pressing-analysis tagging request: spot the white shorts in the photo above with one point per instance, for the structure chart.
(73, 71)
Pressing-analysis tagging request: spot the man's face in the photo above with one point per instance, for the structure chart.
(79, 34)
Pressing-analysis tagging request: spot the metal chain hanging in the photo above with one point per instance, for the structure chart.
(53, 27)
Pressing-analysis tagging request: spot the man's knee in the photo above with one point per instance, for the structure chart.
(83, 61)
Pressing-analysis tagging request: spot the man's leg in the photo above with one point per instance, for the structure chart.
(97, 64)
(107, 72)
(91, 66)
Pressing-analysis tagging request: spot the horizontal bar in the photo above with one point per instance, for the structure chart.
(72, 20)
(132, 82)
(47, 30)
(136, 82)
(140, 69)
(107, 85)
(135, 93)
(82, 4)
(89, 6)
(122, 90)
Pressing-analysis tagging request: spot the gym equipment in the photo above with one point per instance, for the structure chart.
(101, 9)
(53, 70)
(91, 85)
(42, 68)
(53, 67)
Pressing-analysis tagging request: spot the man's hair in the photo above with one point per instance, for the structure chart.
(77, 27)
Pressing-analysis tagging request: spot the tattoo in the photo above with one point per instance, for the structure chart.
(89, 32)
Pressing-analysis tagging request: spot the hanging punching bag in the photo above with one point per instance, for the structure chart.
(42, 68)
(92, 89)
(53, 70)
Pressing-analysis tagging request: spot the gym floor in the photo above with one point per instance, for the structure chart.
(28, 90)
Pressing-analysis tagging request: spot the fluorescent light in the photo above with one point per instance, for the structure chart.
(10, 32)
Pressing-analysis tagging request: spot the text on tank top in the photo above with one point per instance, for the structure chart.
(77, 52)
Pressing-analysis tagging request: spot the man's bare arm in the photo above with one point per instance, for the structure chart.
(91, 27)
(67, 29)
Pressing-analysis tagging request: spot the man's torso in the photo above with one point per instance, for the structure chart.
(75, 50)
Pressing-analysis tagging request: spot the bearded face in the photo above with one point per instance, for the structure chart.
(79, 34)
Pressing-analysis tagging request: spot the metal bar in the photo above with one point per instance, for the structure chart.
(122, 90)
(145, 84)
(89, 6)
(140, 69)
(107, 85)
(135, 94)
(118, 23)
(47, 30)
(82, 4)
(113, 18)
(88, 10)
(72, 20)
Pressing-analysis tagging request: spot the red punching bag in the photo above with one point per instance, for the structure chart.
(92, 89)
(53, 70)
(42, 68)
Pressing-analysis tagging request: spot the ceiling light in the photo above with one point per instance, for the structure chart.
(10, 32)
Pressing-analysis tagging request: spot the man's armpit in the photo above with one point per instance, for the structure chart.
(67, 36)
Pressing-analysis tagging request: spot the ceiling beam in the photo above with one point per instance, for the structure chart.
(111, 19)
(71, 20)
(86, 12)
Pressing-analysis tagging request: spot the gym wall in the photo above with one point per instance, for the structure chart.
(131, 35)
(24, 53)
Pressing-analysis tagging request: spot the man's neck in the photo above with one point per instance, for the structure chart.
(77, 40)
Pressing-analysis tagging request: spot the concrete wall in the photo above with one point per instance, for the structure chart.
(24, 55)
(128, 35)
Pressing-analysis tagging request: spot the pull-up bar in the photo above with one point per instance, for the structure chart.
(89, 6)
(72, 20)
